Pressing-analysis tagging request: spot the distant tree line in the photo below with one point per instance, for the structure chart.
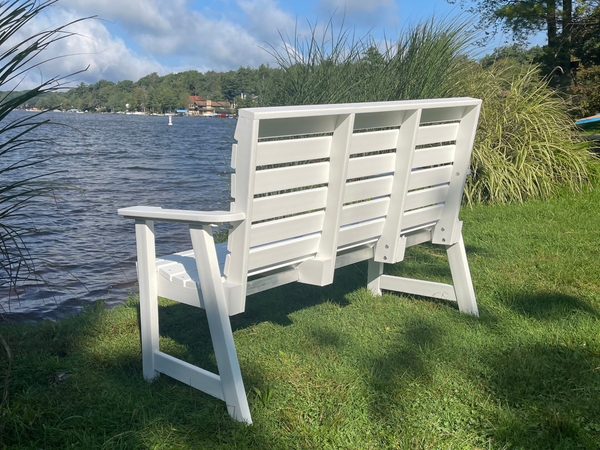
(154, 93)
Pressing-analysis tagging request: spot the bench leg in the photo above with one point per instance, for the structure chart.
(461, 278)
(375, 271)
(219, 324)
(144, 231)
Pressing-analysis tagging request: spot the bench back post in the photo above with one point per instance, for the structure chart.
(389, 248)
(447, 231)
(320, 269)
(242, 191)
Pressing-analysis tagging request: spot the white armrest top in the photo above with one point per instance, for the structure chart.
(180, 215)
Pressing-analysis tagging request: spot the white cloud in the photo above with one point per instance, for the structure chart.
(91, 45)
(169, 28)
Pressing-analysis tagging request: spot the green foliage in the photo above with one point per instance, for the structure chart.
(527, 146)
(331, 67)
(156, 93)
(513, 54)
(586, 91)
(336, 368)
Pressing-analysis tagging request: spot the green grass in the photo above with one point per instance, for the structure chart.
(335, 367)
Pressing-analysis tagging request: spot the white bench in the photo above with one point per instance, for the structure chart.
(315, 188)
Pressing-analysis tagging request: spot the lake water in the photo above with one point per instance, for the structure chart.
(86, 251)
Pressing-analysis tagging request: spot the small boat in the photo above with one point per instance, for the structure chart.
(590, 119)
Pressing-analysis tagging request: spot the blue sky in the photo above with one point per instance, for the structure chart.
(132, 38)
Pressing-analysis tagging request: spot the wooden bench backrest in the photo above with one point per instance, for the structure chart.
(316, 179)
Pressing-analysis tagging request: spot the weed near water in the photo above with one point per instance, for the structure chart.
(335, 367)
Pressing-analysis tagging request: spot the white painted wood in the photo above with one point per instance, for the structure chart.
(422, 217)
(388, 247)
(376, 119)
(291, 150)
(290, 203)
(429, 177)
(461, 277)
(280, 127)
(218, 322)
(367, 166)
(354, 255)
(375, 270)
(433, 134)
(233, 155)
(408, 196)
(432, 156)
(366, 189)
(191, 375)
(320, 269)
(360, 212)
(288, 228)
(374, 141)
(246, 133)
(279, 112)
(292, 250)
(426, 197)
(442, 114)
(291, 177)
(446, 229)
(360, 232)
(144, 235)
(417, 287)
(180, 215)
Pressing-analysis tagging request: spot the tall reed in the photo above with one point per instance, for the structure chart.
(333, 66)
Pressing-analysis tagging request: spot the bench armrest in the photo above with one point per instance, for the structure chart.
(180, 215)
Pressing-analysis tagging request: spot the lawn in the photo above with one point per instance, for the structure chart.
(337, 368)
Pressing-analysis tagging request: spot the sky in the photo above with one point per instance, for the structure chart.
(129, 39)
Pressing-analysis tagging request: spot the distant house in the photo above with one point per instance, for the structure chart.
(204, 106)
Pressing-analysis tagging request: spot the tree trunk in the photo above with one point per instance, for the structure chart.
(552, 40)
(565, 45)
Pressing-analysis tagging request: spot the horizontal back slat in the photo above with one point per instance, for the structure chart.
(433, 156)
(373, 141)
(272, 180)
(364, 189)
(361, 232)
(442, 114)
(270, 128)
(290, 227)
(420, 217)
(437, 133)
(378, 120)
(428, 177)
(291, 150)
(359, 212)
(290, 203)
(292, 250)
(425, 197)
(367, 166)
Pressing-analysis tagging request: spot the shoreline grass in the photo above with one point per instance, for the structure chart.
(335, 367)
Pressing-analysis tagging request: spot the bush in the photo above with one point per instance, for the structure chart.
(527, 146)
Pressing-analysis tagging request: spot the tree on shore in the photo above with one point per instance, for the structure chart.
(560, 19)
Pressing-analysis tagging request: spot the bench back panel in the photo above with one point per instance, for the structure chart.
(308, 171)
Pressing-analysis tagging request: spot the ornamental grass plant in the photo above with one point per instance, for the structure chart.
(527, 146)
(333, 66)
